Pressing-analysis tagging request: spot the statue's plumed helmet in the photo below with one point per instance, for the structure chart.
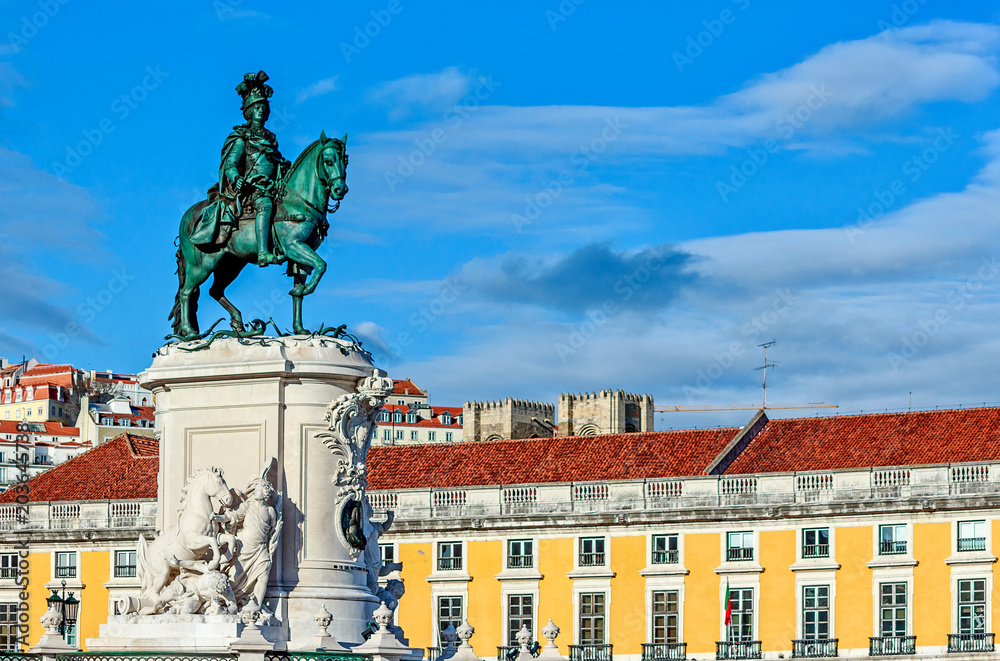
(253, 90)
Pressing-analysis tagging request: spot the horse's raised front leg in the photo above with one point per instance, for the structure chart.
(302, 254)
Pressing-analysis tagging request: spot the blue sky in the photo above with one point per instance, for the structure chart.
(545, 197)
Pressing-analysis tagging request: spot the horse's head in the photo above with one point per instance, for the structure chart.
(332, 165)
(216, 487)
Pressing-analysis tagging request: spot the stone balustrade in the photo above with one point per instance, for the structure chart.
(79, 515)
(775, 489)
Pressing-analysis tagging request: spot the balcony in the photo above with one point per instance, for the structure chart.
(125, 571)
(745, 649)
(447, 564)
(511, 652)
(659, 651)
(816, 551)
(738, 554)
(892, 548)
(8, 572)
(814, 649)
(970, 642)
(666, 557)
(593, 652)
(591, 559)
(971, 543)
(519, 561)
(891, 645)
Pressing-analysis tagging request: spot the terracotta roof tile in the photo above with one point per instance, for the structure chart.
(863, 441)
(123, 468)
(537, 460)
(400, 388)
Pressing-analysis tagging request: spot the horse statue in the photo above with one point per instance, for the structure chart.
(299, 225)
(185, 545)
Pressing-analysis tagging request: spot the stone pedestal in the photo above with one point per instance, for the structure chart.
(189, 633)
(238, 406)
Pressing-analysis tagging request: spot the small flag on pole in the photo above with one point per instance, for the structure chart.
(729, 605)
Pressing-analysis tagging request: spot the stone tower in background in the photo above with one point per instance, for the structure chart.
(507, 419)
(605, 412)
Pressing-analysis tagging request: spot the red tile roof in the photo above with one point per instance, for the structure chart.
(51, 428)
(567, 459)
(123, 468)
(403, 385)
(882, 439)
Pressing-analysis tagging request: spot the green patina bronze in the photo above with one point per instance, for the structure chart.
(263, 210)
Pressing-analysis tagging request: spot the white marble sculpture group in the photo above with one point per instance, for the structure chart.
(212, 562)
(216, 559)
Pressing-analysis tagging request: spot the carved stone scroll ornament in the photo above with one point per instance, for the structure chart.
(352, 420)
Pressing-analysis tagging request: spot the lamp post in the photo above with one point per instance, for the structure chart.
(69, 607)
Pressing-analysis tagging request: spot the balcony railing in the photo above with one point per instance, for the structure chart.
(666, 557)
(735, 554)
(520, 561)
(892, 548)
(591, 559)
(890, 645)
(971, 543)
(593, 652)
(814, 649)
(446, 564)
(659, 651)
(125, 571)
(746, 649)
(511, 652)
(8, 572)
(970, 642)
(816, 551)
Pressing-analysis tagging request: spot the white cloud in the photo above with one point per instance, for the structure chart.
(419, 92)
(319, 88)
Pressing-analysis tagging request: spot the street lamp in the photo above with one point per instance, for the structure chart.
(68, 606)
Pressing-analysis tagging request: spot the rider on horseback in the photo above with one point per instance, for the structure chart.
(252, 166)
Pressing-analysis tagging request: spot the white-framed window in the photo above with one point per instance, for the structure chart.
(8, 565)
(399, 434)
(971, 536)
(28, 411)
(125, 564)
(449, 611)
(592, 618)
(431, 436)
(972, 606)
(520, 554)
(414, 436)
(397, 417)
(892, 539)
(892, 609)
(388, 553)
(665, 550)
(65, 564)
(446, 418)
(666, 617)
(9, 637)
(816, 543)
(592, 552)
(739, 546)
(816, 609)
(520, 612)
(40, 410)
(383, 416)
(411, 418)
(449, 556)
(386, 435)
(741, 624)
(448, 436)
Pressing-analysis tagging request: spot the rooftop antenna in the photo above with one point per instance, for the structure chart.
(764, 367)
